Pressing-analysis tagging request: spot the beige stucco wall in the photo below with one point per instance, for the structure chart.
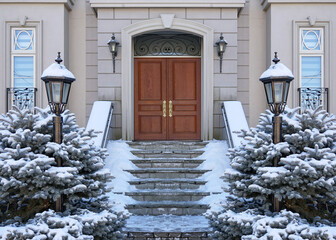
(51, 21)
(257, 60)
(91, 38)
(243, 58)
(115, 19)
(77, 61)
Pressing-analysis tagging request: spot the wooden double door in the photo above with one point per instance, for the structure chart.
(167, 99)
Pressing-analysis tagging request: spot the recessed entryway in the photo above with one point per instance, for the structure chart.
(167, 98)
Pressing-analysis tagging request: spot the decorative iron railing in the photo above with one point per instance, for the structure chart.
(311, 98)
(24, 98)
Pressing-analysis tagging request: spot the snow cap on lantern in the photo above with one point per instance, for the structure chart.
(276, 81)
(58, 81)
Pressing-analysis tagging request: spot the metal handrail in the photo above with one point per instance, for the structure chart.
(311, 98)
(107, 127)
(227, 128)
(24, 98)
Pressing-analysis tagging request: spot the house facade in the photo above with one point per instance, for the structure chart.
(167, 80)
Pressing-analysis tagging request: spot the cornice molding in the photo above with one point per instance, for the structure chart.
(267, 3)
(167, 3)
(67, 3)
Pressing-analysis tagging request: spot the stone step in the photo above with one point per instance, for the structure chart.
(167, 227)
(170, 145)
(167, 163)
(167, 236)
(167, 207)
(166, 195)
(167, 173)
(167, 183)
(167, 154)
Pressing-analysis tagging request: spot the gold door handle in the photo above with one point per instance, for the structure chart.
(170, 108)
(164, 108)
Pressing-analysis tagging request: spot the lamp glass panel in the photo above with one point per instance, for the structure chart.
(66, 88)
(221, 47)
(48, 91)
(286, 91)
(56, 91)
(112, 47)
(278, 92)
(269, 93)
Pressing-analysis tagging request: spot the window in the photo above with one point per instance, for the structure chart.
(311, 67)
(23, 54)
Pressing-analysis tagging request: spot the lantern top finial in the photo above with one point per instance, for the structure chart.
(58, 59)
(276, 71)
(276, 59)
(58, 71)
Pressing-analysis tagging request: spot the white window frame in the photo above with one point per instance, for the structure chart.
(23, 53)
(312, 53)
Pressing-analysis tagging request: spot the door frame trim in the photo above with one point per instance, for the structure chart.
(127, 67)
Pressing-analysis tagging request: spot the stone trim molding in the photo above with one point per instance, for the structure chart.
(127, 63)
(67, 3)
(167, 3)
(267, 3)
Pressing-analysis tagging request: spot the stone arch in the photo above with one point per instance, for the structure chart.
(167, 22)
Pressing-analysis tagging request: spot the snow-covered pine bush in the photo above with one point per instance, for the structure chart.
(30, 180)
(304, 181)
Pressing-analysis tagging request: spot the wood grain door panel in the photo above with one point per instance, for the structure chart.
(184, 90)
(150, 91)
(167, 79)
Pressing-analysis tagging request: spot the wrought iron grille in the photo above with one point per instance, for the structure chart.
(311, 98)
(24, 98)
(167, 45)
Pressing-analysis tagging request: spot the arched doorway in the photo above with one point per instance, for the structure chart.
(167, 86)
(206, 62)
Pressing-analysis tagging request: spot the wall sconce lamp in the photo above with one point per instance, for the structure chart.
(113, 46)
(221, 46)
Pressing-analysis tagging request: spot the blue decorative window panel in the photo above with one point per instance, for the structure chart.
(23, 40)
(311, 71)
(311, 40)
(23, 71)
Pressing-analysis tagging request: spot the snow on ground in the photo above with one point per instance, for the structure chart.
(117, 161)
(218, 162)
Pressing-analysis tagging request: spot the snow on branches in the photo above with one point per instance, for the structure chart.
(305, 178)
(30, 180)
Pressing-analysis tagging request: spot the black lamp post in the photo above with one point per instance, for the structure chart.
(113, 46)
(221, 47)
(58, 82)
(276, 82)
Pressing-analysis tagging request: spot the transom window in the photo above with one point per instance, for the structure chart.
(23, 39)
(311, 39)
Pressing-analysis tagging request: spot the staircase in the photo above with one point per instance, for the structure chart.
(168, 194)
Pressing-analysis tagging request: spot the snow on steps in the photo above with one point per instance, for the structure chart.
(167, 183)
(157, 183)
(168, 227)
(167, 163)
(100, 121)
